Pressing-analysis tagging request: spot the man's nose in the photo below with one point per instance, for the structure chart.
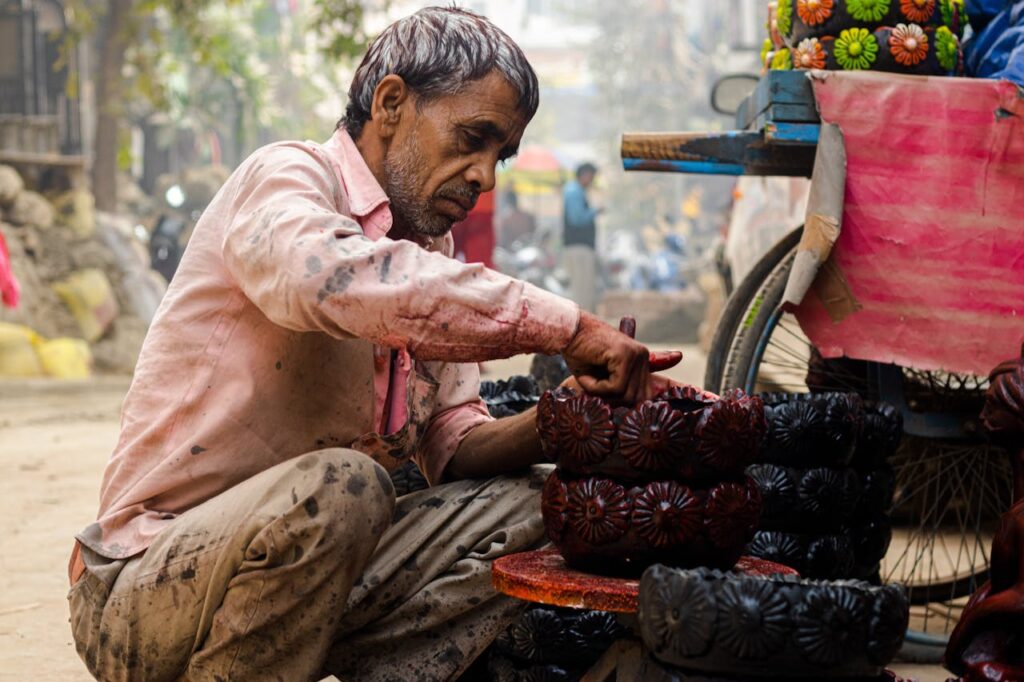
(480, 174)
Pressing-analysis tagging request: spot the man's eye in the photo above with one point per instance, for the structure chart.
(474, 142)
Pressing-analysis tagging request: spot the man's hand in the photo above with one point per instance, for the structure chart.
(657, 385)
(609, 363)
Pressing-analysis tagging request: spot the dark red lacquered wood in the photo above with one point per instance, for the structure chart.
(542, 576)
(987, 644)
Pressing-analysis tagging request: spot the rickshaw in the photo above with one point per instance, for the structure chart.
(905, 283)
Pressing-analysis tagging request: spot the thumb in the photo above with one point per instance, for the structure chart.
(664, 359)
(588, 383)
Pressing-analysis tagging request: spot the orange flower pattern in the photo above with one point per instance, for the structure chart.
(908, 44)
(918, 10)
(814, 12)
(809, 54)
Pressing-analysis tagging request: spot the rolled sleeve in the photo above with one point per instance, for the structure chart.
(458, 410)
(444, 436)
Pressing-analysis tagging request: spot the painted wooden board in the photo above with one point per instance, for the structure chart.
(726, 153)
(931, 247)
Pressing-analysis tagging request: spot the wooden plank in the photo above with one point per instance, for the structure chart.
(728, 153)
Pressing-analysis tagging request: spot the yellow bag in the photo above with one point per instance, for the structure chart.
(65, 358)
(18, 351)
(88, 296)
(76, 209)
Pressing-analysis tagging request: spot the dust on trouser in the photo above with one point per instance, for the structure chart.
(311, 567)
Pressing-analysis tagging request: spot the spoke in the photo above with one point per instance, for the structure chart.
(785, 325)
(787, 351)
(772, 362)
(949, 493)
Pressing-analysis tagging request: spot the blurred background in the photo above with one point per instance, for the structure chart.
(120, 119)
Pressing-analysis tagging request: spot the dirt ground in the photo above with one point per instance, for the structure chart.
(55, 438)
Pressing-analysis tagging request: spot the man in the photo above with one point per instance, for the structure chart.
(580, 238)
(316, 336)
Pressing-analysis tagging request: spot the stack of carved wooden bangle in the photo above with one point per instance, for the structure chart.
(662, 482)
(826, 487)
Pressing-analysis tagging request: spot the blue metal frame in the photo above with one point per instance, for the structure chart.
(791, 133)
(777, 131)
(699, 167)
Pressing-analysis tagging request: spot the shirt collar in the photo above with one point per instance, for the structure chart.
(366, 198)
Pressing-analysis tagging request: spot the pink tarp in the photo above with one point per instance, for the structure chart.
(932, 239)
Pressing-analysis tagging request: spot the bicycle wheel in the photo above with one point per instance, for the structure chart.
(950, 492)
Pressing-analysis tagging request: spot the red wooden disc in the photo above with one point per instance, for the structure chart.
(542, 576)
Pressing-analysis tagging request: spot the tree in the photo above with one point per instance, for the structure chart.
(209, 64)
(646, 75)
(654, 62)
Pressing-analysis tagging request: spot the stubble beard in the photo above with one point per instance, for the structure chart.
(410, 214)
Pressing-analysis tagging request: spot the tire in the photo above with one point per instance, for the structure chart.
(949, 494)
(701, 620)
(737, 308)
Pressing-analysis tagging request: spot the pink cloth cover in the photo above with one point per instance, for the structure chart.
(932, 240)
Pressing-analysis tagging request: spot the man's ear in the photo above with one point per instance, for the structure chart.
(390, 98)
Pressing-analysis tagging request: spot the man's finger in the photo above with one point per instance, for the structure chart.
(634, 394)
(593, 385)
(638, 374)
(664, 359)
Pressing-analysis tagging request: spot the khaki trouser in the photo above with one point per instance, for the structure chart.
(581, 267)
(309, 568)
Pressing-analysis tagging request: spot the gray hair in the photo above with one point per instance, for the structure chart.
(436, 51)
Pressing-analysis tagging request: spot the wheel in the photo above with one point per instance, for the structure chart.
(737, 307)
(949, 491)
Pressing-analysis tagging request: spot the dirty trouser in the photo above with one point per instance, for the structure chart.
(312, 560)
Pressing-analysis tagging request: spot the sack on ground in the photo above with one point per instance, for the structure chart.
(31, 208)
(65, 358)
(11, 185)
(18, 356)
(88, 296)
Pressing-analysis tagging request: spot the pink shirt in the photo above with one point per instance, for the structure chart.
(276, 336)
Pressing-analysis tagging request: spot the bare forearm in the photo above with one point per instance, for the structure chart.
(497, 447)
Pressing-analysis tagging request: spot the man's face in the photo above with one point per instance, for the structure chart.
(444, 156)
(586, 179)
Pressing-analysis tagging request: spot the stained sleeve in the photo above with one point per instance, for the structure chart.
(308, 267)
